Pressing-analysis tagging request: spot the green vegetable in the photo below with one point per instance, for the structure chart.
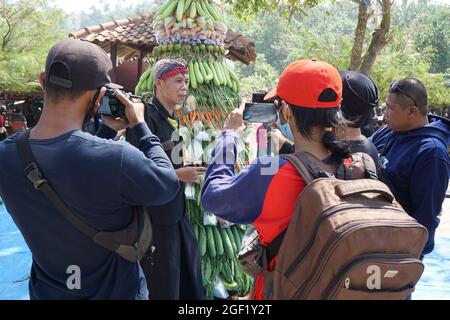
(180, 10)
(210, 241)
(169, 9)
(227, 246)
(202, 240)
(218, 241)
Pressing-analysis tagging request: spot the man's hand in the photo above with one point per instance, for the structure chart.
(115, 124)
(190, 174)
(133, 111)
(235, 121)
(277, 138)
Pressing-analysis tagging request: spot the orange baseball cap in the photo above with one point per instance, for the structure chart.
(309, 84)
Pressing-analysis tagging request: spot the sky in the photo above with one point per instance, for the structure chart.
(80, 5)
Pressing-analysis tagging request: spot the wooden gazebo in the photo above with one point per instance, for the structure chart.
(133, 38)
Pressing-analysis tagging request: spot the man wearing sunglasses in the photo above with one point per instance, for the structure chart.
(413, 154)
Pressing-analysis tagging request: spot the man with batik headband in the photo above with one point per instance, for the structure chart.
(173, 271)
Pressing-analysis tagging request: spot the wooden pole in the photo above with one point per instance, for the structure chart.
(140, 64)
(114, 60)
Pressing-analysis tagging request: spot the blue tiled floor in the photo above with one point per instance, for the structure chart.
(15, 260)
(15, 263)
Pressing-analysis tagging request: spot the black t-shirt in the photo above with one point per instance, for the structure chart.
(160, 123)
(364, 146)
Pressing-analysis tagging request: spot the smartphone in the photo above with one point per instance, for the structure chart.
(260, 112)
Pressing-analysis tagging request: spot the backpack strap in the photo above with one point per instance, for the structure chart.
(308, 166)
(272, 249)
(34, 174)
(359, 166)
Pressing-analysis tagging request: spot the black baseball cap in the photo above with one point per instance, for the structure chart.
(78, 65)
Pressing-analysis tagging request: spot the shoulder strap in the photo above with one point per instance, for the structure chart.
(34, 174)
(358, 166)
(308, 166)
(272, 249)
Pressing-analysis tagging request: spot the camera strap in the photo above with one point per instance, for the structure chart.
(34, 174)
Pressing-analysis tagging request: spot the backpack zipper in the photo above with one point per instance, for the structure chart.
(326, 214)
(331, 290)
(331, 245)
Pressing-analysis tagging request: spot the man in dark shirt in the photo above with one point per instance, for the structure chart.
(99, 180)
(173, 272)
(414, 157)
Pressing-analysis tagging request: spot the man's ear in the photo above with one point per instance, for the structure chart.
(413, 111)
(158, 83)
(42, 80)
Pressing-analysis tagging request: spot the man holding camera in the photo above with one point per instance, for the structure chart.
(100, 181)
(173, 272)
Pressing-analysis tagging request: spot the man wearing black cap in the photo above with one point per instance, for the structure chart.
(98, 180)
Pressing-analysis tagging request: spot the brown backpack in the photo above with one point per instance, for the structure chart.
(347, 239)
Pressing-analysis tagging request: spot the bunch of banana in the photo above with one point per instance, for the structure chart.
(145, 83)
(216, 72)
(188, 8)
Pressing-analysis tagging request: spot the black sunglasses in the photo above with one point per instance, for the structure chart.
(395, 87)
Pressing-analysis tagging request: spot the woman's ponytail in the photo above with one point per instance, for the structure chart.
(338, 149)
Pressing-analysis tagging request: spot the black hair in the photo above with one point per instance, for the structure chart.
(54, 92)
(307, 118)
(412, 90)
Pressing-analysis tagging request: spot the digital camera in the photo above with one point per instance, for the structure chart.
(112, 106)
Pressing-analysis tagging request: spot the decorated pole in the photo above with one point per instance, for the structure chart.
(194, 30)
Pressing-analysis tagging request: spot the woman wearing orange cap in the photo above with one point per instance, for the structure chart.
(264, 194)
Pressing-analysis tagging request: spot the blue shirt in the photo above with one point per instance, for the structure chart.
(416, 166)
(99, 180)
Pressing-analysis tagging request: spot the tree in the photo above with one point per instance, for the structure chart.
(435, 38)
(27, 30)
(289, 8)
(245, 9)
(327, 32)
(262, 77)
(380, 37)
(104, 12)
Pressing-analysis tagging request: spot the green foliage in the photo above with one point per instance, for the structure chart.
(435, 38)
(398, 64)
(256, 77)
(27, 31)
(245, 9)
(327, 31)
(103, 11)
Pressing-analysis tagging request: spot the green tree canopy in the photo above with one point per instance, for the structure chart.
(28, 29)
(327, 33)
